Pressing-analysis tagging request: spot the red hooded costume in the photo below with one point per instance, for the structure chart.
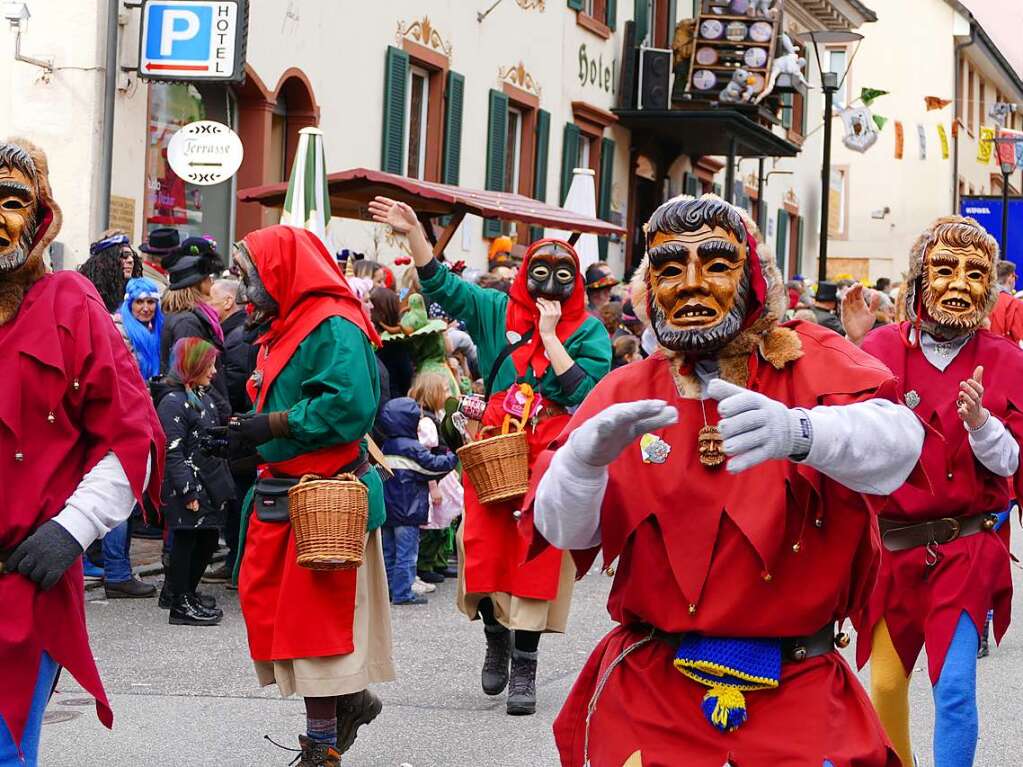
(779, 550)
(277, 595)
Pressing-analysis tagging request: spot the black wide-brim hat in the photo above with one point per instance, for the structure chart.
(161, 241)
(195, 247)
(826, 291)
(191, 270)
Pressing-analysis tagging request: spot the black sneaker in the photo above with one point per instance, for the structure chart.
(429, 576)
(416, 600)
(447, 572)
(495, 664)
(204, 606)
(353, 711)
(186, 612)
(206, 600)
(522, 685)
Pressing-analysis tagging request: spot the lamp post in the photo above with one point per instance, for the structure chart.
(831, 82)
(1005, 145)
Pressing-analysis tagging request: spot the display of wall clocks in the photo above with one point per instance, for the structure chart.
(704, 79)
(761, 31)
(706, 56)
(712, 29)
(754, 57)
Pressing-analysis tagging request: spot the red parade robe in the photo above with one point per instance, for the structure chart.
(61, 356)
(777, 551)
(922, 605)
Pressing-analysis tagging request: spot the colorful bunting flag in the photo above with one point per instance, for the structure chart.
(933, 102)
(880, 122)
(1010, 151)
(943, 138)
(867, 95)
(898, 140)
(985, 148)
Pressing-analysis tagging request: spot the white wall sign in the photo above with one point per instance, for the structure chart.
(193, 40)
(205, 153)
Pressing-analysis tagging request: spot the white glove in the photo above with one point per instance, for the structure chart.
(756, 428)
(602, 438)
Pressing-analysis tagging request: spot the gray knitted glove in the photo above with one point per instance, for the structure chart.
(45, 555)
(756, 428)
(602, 438)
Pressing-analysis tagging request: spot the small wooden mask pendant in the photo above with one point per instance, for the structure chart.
(711, 446)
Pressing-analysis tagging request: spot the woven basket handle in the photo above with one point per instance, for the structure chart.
(309, 478)
(347, 477)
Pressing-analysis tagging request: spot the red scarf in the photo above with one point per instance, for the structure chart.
(523, 314)
(308, 286)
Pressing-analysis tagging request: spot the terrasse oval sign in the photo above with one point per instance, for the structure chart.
(205, 153)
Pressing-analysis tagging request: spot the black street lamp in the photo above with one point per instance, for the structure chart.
(1007, 161)
(831, 82)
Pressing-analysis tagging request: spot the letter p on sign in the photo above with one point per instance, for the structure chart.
(178, 26)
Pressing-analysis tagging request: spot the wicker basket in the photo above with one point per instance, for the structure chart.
(329, 519)
(498, 466)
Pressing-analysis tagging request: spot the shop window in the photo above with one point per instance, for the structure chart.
(278, 150)
(422, 120)
(513, 151)
(169, 200)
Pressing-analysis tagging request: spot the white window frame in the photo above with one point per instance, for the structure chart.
(423, 120)
(516, 150)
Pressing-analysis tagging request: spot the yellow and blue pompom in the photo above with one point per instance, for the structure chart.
(729, 667)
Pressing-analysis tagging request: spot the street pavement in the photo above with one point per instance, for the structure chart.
(186, 697)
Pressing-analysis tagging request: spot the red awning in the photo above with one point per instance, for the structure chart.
(351, 191)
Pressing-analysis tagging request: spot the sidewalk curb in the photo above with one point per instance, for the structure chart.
(144, 571)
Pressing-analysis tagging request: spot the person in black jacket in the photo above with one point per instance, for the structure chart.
(197, 487)
(188, 313)
(407, 494)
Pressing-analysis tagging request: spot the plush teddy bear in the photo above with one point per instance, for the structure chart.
(740, 88)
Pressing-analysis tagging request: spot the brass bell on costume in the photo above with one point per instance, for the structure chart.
(842, 640)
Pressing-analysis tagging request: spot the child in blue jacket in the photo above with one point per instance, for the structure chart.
(407, 493)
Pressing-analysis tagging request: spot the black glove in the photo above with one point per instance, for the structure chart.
(215, 442)
(260, 427)
(45, 555)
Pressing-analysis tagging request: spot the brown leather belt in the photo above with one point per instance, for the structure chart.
(897, 535)
(793, 649)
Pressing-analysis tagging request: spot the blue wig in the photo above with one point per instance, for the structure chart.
(145, 341)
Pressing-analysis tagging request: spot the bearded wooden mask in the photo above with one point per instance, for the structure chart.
(551, 274)
(697, 287)
(957, 282)
(29, 221)
(952, 277)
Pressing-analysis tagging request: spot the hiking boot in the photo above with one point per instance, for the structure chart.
(202, 603)
(522, 686)
(186, 612)
(495, 664)
(131, 589)
(316, 754)
(216, 575)
(353, 711)
(206, 600)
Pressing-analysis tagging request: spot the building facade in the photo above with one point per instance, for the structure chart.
(512, 97)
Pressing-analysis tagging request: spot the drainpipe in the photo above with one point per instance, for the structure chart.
(957, 67)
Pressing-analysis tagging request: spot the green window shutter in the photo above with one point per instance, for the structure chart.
(612, 14)
(796, 267)
(607, 169)
(786, 110)
(395, 84)
(716, 188)
(497, 134)
(802, 117)
(575, 5)
(781, 239)
(543, 144)
(569, 155)
(453, 128)
(640, 15)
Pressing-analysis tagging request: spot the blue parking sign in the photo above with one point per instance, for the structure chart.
(178, 32)
(193, 40)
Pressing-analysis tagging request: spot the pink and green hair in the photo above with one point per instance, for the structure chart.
(190, 358)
